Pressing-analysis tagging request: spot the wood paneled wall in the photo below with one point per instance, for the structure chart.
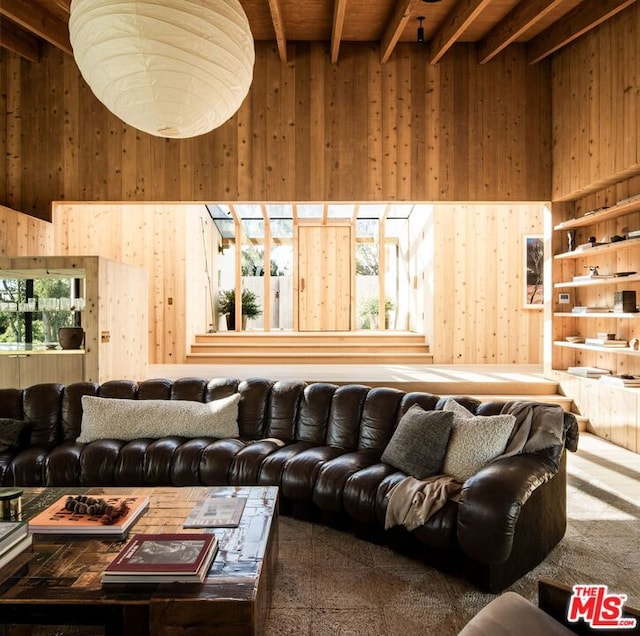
(309, 130)
(477, 271)
(596, 108)
(114, 319)
(164, 240)
(23, 235)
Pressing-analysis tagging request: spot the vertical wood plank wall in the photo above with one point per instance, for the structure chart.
(115, 297)
(478, 268)
(166, 242)
(122, 301)
(308, 130)
(596, 108)
(24, 235)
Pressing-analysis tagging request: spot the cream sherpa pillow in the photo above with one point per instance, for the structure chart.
(475, 440)
(113, 418)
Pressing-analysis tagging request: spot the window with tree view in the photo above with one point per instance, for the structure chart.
(32, 310)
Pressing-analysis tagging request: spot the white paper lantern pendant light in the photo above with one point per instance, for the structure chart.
(171, 68)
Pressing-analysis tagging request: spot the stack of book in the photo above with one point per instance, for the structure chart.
(163, 558)
(629, 381)
(590, 310)
(14, 539)
(588, 372)
(614, 343)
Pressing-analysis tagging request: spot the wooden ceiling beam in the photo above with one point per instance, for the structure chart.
(456, 23)
(522, 18)
(395, 28)
(39, 22)
(19, 41)
(278, 27)
(586, 16)
(65, 5)
(339, 9)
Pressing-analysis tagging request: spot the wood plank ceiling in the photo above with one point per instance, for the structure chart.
(543, 25)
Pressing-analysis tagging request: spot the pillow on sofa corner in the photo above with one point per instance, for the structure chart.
(475, 440)
(10, 431)
(419, 442)
(115, 418)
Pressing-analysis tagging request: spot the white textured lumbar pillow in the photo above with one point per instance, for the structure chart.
(475, 440)
(113, 418)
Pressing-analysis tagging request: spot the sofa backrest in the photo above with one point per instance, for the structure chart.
(351, 417)
(39, 407)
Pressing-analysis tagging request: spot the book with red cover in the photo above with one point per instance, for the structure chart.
(56, 519)
(163, 558)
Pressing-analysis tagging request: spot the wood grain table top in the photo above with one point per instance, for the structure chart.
(66, 571)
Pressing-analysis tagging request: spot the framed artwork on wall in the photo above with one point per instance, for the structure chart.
(533, 271)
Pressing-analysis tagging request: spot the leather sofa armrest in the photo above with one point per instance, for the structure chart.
(491, 501)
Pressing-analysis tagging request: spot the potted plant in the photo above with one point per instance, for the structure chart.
(369, 311)
(227, 306)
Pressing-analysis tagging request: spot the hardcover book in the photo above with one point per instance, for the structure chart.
(10, 533)
(60, 518)
(216, 512)
(163, 558)
(15, 549)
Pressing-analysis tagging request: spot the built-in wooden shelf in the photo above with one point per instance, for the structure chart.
(614, 280)
(599, 249)
(602, 215)
(564, 372)
(593, 314)
(617, 350)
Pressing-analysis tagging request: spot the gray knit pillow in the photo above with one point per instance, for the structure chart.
(475, 440)
(419, 442)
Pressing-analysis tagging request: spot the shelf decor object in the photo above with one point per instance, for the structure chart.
(70, 337)
(608, 266)
(171, 68)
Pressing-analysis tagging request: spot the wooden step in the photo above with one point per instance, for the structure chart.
(295, 347)
(306, 357)
(312, 337)
(312, 348)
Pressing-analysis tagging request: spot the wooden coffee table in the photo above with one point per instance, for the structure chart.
(58, 581)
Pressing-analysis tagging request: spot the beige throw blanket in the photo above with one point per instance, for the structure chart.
(412, 501)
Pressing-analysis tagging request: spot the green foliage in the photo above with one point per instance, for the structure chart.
(45, 323)
(253, 263)
(369, 306)
(367, 259)
(227, 303)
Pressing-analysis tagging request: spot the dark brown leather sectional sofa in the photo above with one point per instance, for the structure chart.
(321, 444)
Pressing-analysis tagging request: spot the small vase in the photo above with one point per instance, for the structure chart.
(70, 337)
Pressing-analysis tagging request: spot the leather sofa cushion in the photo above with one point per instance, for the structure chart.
(419, 444)
(133, 419)
(10, 431)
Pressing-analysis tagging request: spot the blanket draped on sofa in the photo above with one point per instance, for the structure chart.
(537, 426)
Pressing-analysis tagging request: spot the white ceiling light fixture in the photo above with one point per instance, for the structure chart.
(171, 68)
